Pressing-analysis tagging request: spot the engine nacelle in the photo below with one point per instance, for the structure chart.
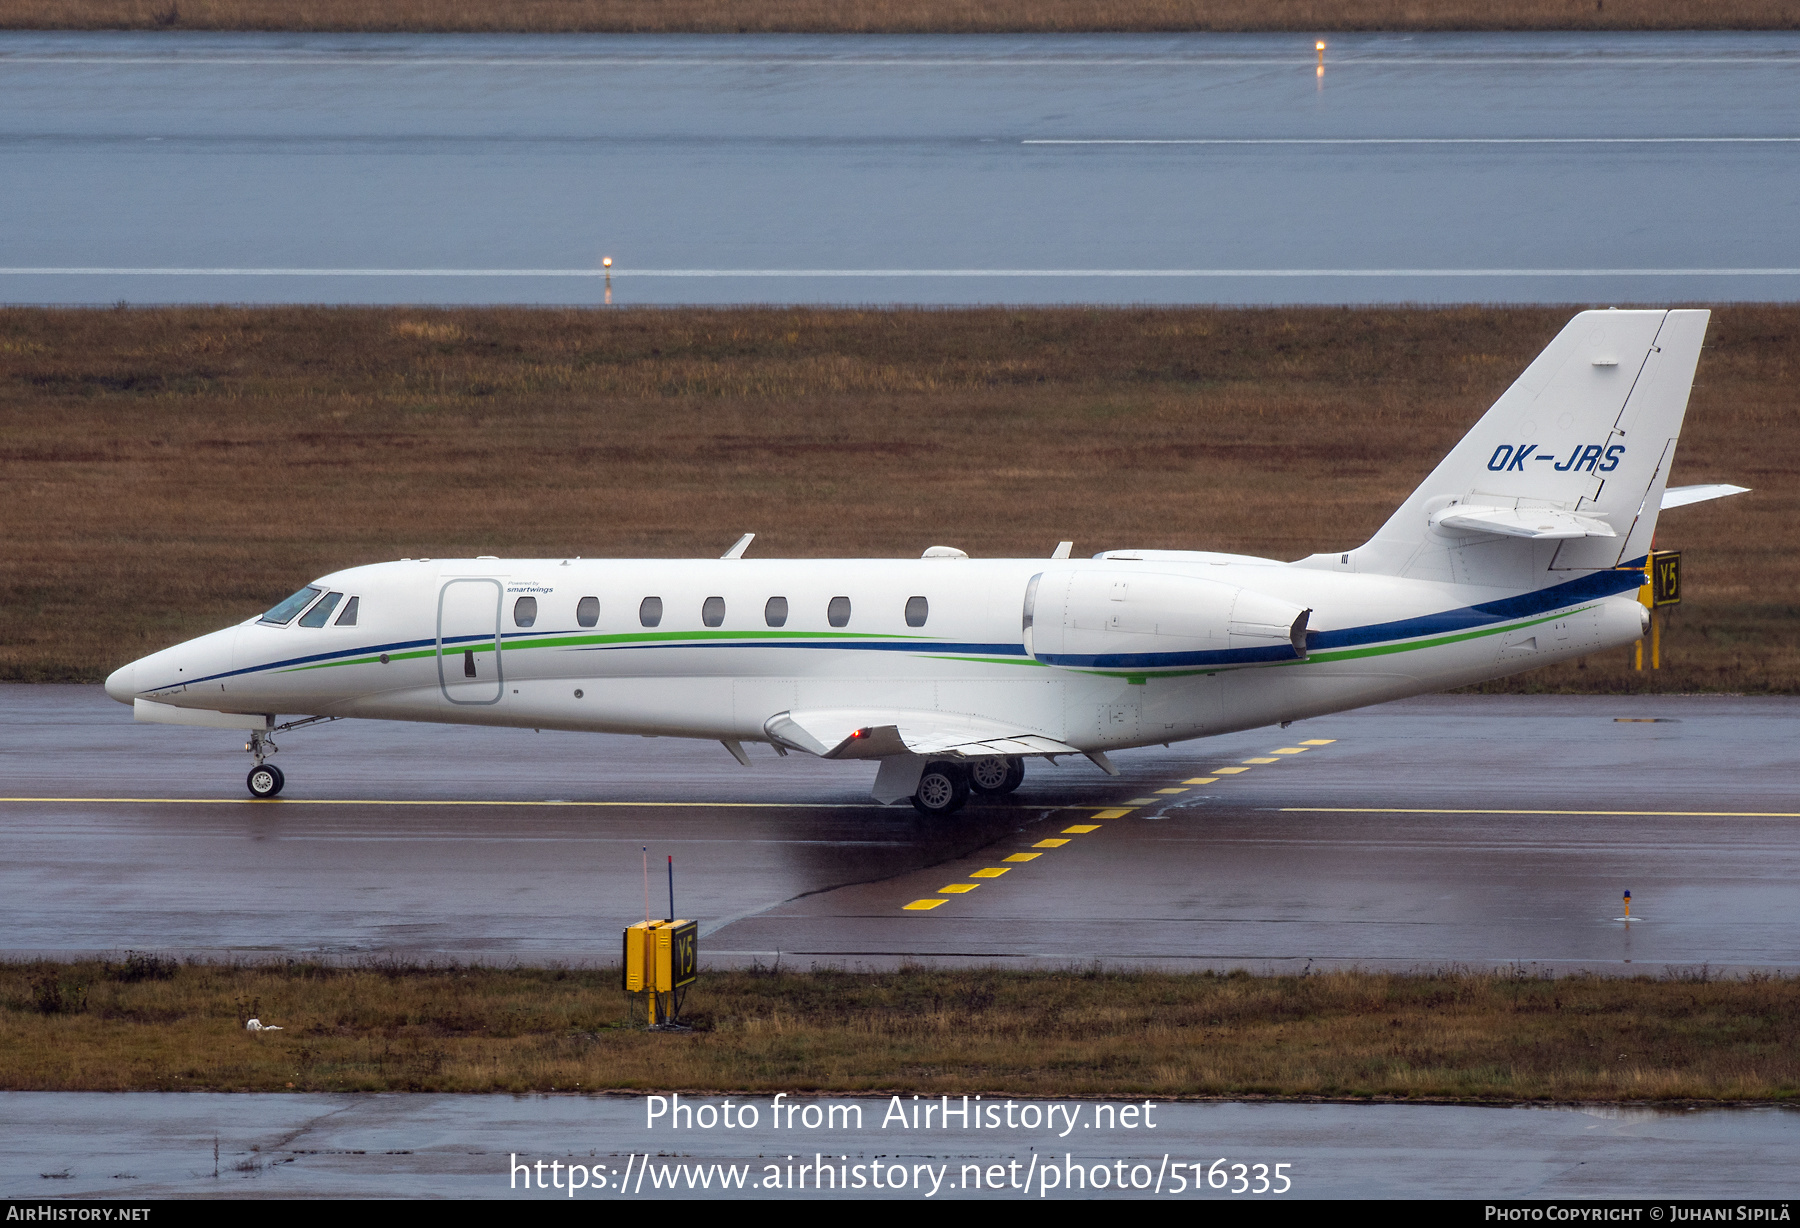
(1100, 618)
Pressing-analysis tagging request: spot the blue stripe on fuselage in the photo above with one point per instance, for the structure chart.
(1595, 584)
(1587, 588)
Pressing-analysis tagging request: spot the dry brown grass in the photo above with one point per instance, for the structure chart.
(898, 16)
(1487, 1036)
(171, 470)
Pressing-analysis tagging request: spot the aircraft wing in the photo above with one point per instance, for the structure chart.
(1681, 496)
(864, 733)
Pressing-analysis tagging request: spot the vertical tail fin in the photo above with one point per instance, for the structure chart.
(1565, 474)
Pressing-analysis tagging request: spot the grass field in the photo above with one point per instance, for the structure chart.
(169, 471)
(899, 16)
(149, 1024)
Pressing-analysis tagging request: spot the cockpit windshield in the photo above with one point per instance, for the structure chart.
(283, 614)
(316, 616)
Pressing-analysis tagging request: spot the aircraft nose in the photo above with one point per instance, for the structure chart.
(121, 684)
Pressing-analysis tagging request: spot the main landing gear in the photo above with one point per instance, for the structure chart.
(945, 784)
(996, 775)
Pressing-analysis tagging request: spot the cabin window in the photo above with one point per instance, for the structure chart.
(316, 616)
(917, 611)
(348, 617)
(525, 611)
(775, 612)
(650, 611)
(712, 611)
(838, 612)
(587, 611)
(283, 614)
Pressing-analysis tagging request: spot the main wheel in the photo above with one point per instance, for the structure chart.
(265, 780)
(943, 788)
(996, 775)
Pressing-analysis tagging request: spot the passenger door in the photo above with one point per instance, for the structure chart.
(468, 641)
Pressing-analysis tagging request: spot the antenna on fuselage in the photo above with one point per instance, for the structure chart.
(743, 544)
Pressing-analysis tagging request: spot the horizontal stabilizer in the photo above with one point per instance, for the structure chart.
(861, 733)
(1681, 496)
(153, 713)
(1538, 522)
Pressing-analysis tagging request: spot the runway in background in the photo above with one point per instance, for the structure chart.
(1590, 168)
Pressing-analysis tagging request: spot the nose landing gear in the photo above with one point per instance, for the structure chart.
(265, 779)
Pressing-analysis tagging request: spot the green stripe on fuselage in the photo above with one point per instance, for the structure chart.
(670, 638)
(849, 641)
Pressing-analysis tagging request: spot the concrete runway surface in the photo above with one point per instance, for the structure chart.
(1463, 830)
(158, 1145)
(1591, 168)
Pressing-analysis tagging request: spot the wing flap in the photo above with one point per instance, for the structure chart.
(861, 733)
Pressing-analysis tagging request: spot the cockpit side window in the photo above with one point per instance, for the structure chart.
(348, 617)
(316, 616)
(283, 614)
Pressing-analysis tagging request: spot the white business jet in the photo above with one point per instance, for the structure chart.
(1525, 546)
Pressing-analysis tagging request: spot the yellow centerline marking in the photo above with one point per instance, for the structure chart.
(1652, 814)
(1119, 812)
(349, 801)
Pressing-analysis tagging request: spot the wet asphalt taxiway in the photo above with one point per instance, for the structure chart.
(1457, 830)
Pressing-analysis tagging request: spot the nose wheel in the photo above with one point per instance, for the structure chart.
(265, 780)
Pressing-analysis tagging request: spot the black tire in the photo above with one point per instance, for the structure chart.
(943, 788)
(265, 780)
(996, 775)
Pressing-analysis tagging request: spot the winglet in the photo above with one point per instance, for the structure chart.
(743, 544)
(1062, 550)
